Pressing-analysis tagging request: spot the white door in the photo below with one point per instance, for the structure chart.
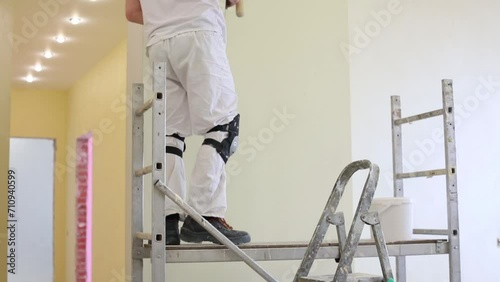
(31, 210)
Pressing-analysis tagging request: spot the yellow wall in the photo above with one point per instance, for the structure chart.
(96, 104)
(5, 73)
(43, 114)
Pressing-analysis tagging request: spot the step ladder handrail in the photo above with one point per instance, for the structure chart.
(333, 201)
(349, 249)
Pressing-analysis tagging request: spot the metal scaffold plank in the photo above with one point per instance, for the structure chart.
(191, 253)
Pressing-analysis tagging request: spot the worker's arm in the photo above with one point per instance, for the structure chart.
(133, 11)
(230, 3)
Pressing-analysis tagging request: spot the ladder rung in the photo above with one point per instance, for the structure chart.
(144, 107)
(428, 173)
(144, 171)
(418, 117)
(431, 232)
(143, 236)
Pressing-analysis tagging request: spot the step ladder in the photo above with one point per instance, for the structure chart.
(450, 172)
(348, 245)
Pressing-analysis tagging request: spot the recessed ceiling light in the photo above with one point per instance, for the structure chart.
(60, 39)
(48, 54)
(75, 20)
(38, 67)
(29, 78)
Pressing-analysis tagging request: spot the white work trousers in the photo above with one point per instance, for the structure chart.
(200, 95)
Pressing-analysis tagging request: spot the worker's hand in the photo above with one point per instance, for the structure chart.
(230, 3)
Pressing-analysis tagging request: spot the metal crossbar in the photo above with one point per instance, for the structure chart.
(431, 231)
(419, 117)
(428, 173)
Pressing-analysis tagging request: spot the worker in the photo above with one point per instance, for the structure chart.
(190, 37)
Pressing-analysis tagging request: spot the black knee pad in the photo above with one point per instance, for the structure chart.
(228, 146)
(174, 150)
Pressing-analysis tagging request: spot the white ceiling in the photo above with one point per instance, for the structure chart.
(35, 27)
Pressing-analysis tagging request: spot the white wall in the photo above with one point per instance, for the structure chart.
(408, 54)
(31, 210)
(285, 61)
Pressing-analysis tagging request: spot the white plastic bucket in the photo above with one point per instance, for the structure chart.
(396, 218)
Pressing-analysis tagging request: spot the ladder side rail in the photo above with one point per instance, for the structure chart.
(397, 147)
(137, 183)
(451, 180)
(345, 265)
(373, 219)
(397, 165)
(158, 256)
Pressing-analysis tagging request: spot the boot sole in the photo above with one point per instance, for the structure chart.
(173, 242)
(199, 237)
(172, 239)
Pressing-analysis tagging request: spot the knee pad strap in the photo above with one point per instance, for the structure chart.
(228, 146)
(174, 150)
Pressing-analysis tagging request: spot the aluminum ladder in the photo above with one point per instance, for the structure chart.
(450, 171)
